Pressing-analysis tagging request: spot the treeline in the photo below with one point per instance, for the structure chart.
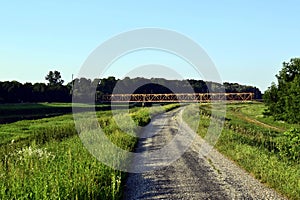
(55, 91)
(83, 87)
(15, 92)
(283, 98)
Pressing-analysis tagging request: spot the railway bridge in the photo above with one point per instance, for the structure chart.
(180, 97)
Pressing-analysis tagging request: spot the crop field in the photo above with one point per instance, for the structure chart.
(45, 158)
(267, 149)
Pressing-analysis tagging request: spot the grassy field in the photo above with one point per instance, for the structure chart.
(267, 149)
(45, 158)
(15, 112)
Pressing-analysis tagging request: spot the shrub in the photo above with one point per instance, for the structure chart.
(141, 117)
(289, 144)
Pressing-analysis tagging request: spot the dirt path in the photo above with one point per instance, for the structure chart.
(192, 176)
(254, 121)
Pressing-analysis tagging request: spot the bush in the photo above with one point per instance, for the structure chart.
(289, 144)
(141, 117)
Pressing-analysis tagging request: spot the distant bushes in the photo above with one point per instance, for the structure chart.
(141, 117)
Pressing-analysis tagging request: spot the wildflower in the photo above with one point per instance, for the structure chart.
(30, 152)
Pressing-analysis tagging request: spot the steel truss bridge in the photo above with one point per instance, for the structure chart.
(182, 97)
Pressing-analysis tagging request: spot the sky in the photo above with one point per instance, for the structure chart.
(247, 40)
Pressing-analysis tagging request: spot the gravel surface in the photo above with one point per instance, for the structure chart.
(193, 175)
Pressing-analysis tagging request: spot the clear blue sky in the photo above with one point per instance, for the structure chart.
(247, 40)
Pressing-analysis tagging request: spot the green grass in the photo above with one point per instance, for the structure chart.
(252, 141)
(15, 112)
(63, 170)
(30, 106)
(33, 129)
(45, 158)
(53, 163)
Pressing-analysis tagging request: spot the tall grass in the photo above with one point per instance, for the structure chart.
(58, 170)
(45, 159)
(53, 163)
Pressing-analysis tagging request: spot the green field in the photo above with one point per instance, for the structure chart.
(45, 158)
(15, 112)
(267, 149)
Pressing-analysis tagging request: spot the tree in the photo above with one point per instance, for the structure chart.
(54, 78)
(39, 92)
(283, 99)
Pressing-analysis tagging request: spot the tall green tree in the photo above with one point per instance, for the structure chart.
(54, 78)
(283, 99)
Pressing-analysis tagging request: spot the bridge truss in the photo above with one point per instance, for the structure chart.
(183, 97)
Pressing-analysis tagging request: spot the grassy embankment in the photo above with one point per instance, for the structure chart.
(268, 149)
(45, 158)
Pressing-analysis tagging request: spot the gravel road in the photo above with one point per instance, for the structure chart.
(192, 176)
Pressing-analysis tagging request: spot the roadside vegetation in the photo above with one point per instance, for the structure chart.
(267, 149)
(45, 158)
